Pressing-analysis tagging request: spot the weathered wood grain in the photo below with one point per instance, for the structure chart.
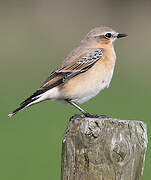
(103, 149)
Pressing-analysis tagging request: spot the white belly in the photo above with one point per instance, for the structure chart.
(92, 90)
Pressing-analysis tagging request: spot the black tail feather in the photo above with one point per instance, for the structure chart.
(35, 96)
(22, 106)
(32, 97)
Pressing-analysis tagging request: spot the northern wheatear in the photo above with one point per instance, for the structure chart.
(86, 71)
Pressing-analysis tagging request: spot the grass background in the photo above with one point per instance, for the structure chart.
(35, 36)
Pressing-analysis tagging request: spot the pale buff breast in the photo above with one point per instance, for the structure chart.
(87, 85)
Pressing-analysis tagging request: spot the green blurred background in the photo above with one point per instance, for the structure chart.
(35, 36)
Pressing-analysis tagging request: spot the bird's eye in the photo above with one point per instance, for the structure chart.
(108, 35)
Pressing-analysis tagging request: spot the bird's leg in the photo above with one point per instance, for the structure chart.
(86, 114)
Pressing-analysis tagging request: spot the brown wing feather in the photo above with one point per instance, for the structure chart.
(81, 65)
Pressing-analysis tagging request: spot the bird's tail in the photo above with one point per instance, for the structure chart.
(28, 102)
(38, 96)
(16, 110)
(35, 98)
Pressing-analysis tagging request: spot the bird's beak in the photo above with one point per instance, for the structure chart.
(121, 35)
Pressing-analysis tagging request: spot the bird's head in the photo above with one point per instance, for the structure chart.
(102, 35)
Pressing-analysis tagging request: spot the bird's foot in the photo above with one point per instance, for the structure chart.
(78, 116)
(89, 116)
(95, 116)
(103, 116)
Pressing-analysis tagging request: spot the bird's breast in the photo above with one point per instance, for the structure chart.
(86, 85)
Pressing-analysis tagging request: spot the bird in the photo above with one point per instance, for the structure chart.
(85, 72)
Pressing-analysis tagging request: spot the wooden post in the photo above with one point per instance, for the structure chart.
(103, 149)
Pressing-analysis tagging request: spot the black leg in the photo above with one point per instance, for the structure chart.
(86, 114)
(79, 108)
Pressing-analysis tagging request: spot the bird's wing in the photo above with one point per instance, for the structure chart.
(80, 65)
(63, 74)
